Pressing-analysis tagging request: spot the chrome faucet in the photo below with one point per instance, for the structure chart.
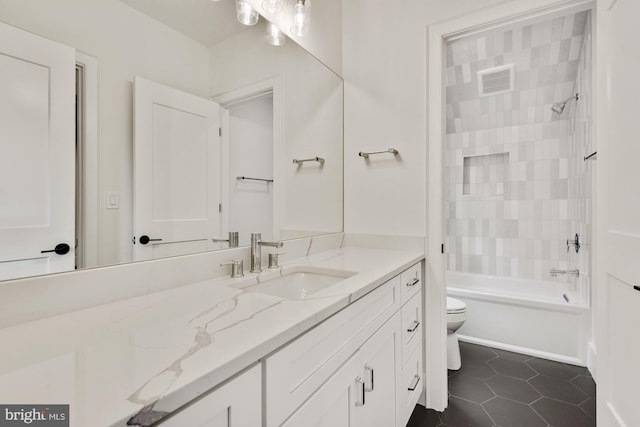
(256, 251)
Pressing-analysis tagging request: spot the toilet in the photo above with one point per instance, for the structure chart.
(456, 315)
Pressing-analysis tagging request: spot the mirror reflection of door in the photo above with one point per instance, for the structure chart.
(248, 138)
(37, 155)
(176, 172)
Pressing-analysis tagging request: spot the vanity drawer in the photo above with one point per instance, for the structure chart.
(296, 371)
(411, 386)
(411, 280)
(411, 326)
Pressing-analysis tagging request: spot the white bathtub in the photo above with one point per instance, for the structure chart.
(543, 319)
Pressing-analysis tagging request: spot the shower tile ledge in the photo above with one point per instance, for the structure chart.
(164, 349)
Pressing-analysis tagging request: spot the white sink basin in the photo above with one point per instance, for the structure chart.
(297, 282)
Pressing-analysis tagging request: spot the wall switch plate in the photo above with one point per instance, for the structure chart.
(113, 200)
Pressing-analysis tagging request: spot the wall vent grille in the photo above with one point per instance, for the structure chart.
(496, 80)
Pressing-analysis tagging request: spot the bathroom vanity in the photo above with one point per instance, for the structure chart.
(238, 352)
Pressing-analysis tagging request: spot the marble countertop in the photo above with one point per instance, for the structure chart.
(154, 353)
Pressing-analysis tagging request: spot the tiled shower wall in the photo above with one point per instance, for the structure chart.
(517, 227)
(582, 172)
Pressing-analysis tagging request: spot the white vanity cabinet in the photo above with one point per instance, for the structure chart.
(362, 392)
(236, 403)
(355, 368)
(361, 367)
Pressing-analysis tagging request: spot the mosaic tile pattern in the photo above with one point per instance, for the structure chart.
(499, 388)
(546, 57)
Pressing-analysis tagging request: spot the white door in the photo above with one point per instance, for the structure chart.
(618, 302)
(37, 154)
(176, 172)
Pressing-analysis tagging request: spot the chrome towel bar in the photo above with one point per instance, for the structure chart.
(366, 154)
(312, 159)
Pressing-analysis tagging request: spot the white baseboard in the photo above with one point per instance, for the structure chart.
(524, 350)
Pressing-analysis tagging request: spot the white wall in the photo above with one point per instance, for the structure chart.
(385, 71)
(126, 43)
(311, 118)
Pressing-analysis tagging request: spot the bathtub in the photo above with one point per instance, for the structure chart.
(543, 319)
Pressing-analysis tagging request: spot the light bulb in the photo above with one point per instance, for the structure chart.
(246, 14)
(272, 6)
(301, 17)
(275, 37)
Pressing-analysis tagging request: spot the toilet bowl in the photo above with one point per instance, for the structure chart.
(456, 315)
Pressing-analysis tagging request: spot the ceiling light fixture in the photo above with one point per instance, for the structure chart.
(302, 17)
(246, 14)
(275, 37)
(273, 6)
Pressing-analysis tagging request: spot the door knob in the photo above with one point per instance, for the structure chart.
(144, 239)
(60, 249)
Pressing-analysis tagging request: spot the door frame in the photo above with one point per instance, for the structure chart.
(271, 86)
(88, 240)
(435, 296)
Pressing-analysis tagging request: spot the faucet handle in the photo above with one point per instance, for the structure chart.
(237, 267)
(232, 239)
(273, 259)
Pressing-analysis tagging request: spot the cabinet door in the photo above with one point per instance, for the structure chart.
(331, 405)
(363, 392)
(380, 367)
(234, 404)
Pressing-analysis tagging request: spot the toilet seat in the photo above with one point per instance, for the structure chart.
(455, 306)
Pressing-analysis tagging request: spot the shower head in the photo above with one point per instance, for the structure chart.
(558, 107)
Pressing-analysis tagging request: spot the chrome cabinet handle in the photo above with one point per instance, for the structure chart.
(414, 327)
(362, 390)
(414, 383)
(415, 282)
(370, 369)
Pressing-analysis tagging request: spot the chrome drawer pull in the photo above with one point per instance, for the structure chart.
(414, 327)
(414, 383)
(362, 396)
(415, 282)
(370, 369)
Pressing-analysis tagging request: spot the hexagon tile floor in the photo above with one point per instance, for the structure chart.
(499, 388)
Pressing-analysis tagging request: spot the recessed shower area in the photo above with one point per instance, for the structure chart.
(519, 163)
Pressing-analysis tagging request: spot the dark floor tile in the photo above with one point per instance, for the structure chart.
(473, 368)
(461, 413)
(558, 389)
(511, 355)
(469, 388)
(559, 414)
(513, 388)
(555, 369)
(423, 417)
(512, 368)
(475, 352)
(586, 384)
(508, 413)
(589, 406)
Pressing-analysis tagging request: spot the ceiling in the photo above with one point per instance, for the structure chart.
(206, 21)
